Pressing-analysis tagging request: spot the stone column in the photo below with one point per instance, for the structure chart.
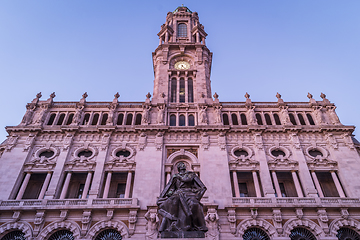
(186, 91)
(45, 186)
(66, 186)
(23, 186)
(128, 185)
(177, 90)
(297, 184)
(236, 184)
(166, 37)
(276, 184)
(256, 183)
(107, 185)
(337, 184)
(87, 185)
(317, 184)
(197, 37)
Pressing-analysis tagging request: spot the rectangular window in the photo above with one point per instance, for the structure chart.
(190, 91)
(286, 184)
(76, 185)
(182, 30)
(327, 184)
(34, 186)
(173, 90)
(246, 184)
(182, 91)
(118, 185)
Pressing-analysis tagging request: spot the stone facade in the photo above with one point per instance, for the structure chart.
(91, 170)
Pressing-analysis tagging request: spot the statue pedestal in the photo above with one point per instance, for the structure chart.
(183, 234)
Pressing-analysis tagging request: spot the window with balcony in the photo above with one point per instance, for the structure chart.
(327, 184)
(76, 185)
(286, 184)
(34, 186)
(118, 185)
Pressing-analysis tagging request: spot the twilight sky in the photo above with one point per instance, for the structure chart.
(102, 47)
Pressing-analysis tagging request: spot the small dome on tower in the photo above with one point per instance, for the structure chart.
(182, 8)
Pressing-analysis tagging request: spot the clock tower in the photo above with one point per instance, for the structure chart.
(182, 62)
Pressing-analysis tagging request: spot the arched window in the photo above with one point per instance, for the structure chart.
(109, 234)
(191, 120)
(61, 119)
(120, 119)
(243, 119)
(173, 90)
(18, 235)
(277, 119)
(95, 119)
(104, 119)
(234, 119)
(347, 234)
(182, 30)
(190, 90)
(86, 119)
(255, 234)
(181, 120)
(182, 90)
(138, 119)
(292, 119)
(172, 120)
(62, 235)
(226, 119)
(258, 119)
(309, 117)
(70, 119)
(51, 119)
(267, 119)
(301, 119)
(301, 234)
(129, 119)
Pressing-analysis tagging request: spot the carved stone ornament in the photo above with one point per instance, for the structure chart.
(30, 108)
(29, 142)
(39, 220)
(203, 119)
(43, 162)
(82, 162)
(159, 140)
(145, 120)
(205, 140)
(284, 115)
(231, 219)
(132, 220)
(222, 140)
(281, 161)
(78, 115)
(299, 213)
(121, 161)
(217, 111)
(160, 114)
(319, 162)
(243, 160)
(334, 119)
(11, 142)
(142, 141)
(277, 217)
(85, 221)
(251, 115)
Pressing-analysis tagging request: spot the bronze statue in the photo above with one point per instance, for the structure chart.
(179, 203)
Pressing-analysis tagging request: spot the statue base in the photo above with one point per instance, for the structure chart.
(183, 234)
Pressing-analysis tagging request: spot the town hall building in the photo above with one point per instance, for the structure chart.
(95, 170)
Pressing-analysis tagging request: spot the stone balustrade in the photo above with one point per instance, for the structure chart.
(69, 203)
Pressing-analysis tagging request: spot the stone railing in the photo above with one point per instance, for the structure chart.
(295, 201)
(69, 203)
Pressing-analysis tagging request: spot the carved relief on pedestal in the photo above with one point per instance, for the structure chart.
(159, 140)
(222, 141)
(39, 221)
(285, 119)
(85, 221)
(251, 115)
(152, 224)
(78, 114)
(142, 141)
(212, 223)
(323, 219)
(318, 111)
(30, 108)
(205, 140)
(334, 119)
(231, 217)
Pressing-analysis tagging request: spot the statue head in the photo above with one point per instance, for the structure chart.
(181, 166)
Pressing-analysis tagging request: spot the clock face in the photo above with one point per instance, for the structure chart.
(182, 65)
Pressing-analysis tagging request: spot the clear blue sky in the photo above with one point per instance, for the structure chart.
(261, 47)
